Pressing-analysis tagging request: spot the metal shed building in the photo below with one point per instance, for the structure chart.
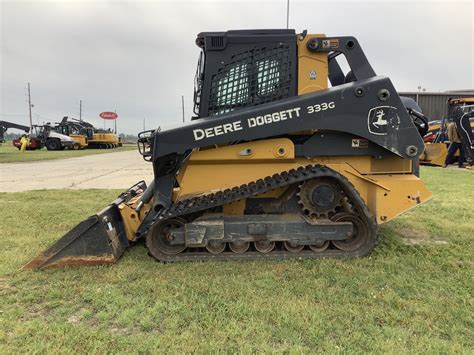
(434, 104)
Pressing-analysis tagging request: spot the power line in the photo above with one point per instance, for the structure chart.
(8, 114)
(43, 117)
(16, 115)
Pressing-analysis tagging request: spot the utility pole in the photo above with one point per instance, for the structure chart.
(182, 105)
(287, 14)
(115, 122)
(29, 107)
(143, 123)
(80, 110)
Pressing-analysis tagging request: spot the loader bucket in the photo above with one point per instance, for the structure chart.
(434, 154)
(99, 240)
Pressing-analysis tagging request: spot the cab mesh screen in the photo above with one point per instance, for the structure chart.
(252, 78)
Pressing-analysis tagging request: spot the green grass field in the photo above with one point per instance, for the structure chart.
(10, 154)
(413, 295)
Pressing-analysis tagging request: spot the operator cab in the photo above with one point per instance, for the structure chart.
(238, 69)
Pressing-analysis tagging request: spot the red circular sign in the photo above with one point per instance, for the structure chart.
(108, 115)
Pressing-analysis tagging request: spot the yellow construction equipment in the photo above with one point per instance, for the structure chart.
(275, 164)
(434, 154)
(436, 139)
(105, 139)
(86, 135)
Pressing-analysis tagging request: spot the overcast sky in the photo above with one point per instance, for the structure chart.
(139, 57)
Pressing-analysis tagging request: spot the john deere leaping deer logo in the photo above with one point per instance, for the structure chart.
(380, 118)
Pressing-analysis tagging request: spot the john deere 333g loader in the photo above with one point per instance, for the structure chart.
(275, 164)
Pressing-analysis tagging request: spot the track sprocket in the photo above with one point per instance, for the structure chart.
(320, 197)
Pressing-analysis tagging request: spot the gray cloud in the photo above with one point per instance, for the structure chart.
(139, 57)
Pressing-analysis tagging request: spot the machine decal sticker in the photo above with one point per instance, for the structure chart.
(312, 75)
(330, 43)
(321, 107)
(274, 117)
(380, 117)
(217, 130)
(270, 118)
(239, 125)
(360, 143)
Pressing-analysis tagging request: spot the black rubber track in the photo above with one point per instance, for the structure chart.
(202, 203)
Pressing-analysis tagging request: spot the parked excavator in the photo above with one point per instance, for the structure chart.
(461, 112)
(87, 135)
(275, 164)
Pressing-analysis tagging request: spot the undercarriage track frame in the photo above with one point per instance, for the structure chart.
(301, 174)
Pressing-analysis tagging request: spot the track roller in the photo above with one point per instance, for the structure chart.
(264, 246)
(215, 247)
(239, 247)
(293, 247)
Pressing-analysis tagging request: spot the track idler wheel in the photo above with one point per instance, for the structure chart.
(360, 232)
(160, 238)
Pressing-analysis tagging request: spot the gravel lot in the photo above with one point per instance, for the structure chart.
(104, 171)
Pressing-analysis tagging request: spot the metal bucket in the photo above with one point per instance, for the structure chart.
(99, 240)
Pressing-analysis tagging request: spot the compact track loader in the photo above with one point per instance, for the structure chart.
(275, 164)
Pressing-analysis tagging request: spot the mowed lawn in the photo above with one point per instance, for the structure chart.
(414, 294)
(11, 154)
